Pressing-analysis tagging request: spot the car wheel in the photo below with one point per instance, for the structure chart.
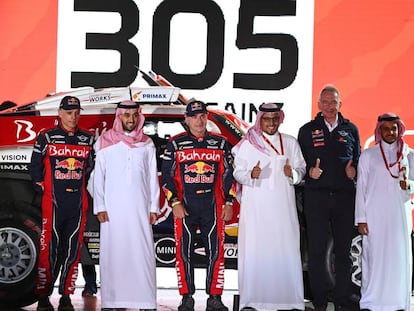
(356, 256)
(19, 248)
(356, 272)
(330, 262)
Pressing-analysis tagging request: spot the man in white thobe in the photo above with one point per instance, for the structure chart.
(267, 165)
(383, 215)
(126, 201)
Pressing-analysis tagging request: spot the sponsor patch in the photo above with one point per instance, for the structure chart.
(342, 136)
(318, 138)
(212, 142)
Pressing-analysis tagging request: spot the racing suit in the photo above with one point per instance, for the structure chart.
(60, 164)
(199, 173)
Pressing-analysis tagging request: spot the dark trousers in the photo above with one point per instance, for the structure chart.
(89, 274)
(204, 213)
(329, 211)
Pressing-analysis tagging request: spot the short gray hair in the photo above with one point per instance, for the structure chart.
(329, 88)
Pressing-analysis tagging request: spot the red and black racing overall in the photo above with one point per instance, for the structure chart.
(199, 172)
(61, 162)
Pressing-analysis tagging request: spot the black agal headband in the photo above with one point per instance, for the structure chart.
(135, 105)
(271, 107)
(388, 118)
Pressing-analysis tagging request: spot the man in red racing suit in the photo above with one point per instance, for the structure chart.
(197, 177)
(61, 160)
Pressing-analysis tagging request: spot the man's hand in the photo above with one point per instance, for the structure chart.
(315, 172)
(102, 217)
(153, 218)
(404, 184)
(350, 171)
(287, 169)
(227, 213)
(256, 171)
(179, 211)
(363, 228)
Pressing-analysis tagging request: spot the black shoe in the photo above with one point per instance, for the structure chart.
(65, 304)
(44, 304)
(344, 308)
(248, 309)
(214, 303)
(87, 293)
(187, 303)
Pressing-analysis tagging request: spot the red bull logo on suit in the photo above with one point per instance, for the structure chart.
(199, 168)
(204, 173)
(69, 168)
(69, 164)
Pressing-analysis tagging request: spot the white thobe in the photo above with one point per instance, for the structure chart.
(126, 187)
(386, 208)
(269, 260)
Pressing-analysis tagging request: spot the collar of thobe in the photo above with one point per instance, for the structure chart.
(390, 152)
(271, 140)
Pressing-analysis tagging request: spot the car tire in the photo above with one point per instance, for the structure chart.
(19, 247)
(355, 254)
(330, 262)
(356, 272)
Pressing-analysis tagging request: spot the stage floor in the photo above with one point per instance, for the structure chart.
(168, 297)
(168, 300)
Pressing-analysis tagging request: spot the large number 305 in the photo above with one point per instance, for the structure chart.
(246, 39)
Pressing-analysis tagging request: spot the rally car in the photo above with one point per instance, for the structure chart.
(20, 213)
(20, 204)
